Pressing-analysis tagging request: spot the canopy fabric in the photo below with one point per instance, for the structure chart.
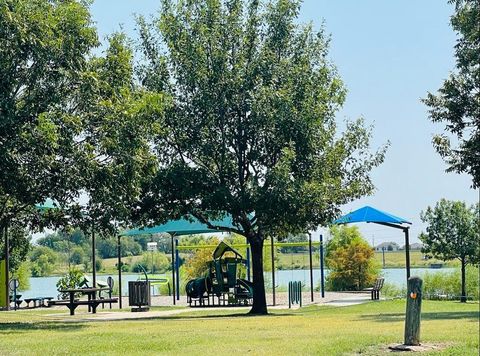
(47, 204)
(222, 248)
(181, 227)
(370, 215)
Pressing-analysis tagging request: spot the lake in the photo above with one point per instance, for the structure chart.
(46, 286)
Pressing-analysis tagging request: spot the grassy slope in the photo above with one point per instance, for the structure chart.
(312, 330)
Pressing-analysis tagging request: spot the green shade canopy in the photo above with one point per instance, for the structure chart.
(47, 204)
(181, 227)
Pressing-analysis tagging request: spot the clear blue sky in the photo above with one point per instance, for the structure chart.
(389, 54)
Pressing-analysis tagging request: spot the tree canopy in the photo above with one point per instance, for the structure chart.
(452, 233)
(251, 128)
(457, 102)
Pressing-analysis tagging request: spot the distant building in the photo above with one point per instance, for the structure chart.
(414, 246)
(387, 246)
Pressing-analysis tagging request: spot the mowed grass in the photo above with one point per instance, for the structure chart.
(321, 330)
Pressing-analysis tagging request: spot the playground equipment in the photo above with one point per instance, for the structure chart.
(222, 282)
(294, 293)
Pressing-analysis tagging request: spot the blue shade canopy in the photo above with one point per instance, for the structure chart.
(370, 215)
(180, 227)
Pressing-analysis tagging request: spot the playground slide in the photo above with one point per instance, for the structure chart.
(247, 285)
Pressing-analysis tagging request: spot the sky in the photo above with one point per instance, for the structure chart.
(389, 55)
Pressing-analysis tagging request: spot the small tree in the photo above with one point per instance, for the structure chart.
(350, 260)
(452, 233)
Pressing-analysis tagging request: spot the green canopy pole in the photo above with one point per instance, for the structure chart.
(94, 272)
(311, 264)
(322, 274)
(7, 263)
(273, 268)
(119, 264)
(173, 268)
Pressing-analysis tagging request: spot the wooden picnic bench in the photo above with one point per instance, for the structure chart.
(375, 290)
(92, 302)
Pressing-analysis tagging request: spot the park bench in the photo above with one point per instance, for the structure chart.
(375, 290)
(18, 300)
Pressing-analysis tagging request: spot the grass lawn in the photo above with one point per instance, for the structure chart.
(317, 330)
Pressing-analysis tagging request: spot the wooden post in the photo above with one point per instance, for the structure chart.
(412, 317)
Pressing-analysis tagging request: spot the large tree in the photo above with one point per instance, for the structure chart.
(251, 130)
(457, 102)
(43, 48)
(452, 233)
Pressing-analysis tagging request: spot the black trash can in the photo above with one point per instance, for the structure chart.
(139, 295)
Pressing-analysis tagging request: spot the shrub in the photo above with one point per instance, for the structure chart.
(350, 260)
(71, 280)
(448, 284)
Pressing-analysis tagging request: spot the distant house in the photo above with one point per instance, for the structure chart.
(414, 246)
(387, 246)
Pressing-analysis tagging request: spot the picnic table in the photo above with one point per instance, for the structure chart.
(91, 301)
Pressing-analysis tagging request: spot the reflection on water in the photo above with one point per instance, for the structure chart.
(46, 286)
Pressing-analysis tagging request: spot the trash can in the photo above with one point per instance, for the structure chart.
(139, 295)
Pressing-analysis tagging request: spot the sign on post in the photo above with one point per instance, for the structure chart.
(151, 246)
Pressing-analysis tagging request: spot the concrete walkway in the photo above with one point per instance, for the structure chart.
(331, 299)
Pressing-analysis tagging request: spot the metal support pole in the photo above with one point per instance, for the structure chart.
(119, 264)
(311, 264)
(407, 253)
(383, 256)
(322, 274)
(177, 269)
(94, 261)
(273, 268)
(7, 264)
(173, 269)
(248, 261)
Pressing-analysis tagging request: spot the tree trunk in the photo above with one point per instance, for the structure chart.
(463, 298)
(259, 300)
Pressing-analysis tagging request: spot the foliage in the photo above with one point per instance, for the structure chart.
(69, 281)
(250, 131)
(197, 264)
(155, 262)
(452, 233)
(19, 246)
(457, 103)
(295, 238)
(43, 49)
(43, 261)
(77, 256)
(448, 284)
(22, 274)
(350, 260)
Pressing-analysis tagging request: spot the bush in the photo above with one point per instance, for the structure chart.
(448, 284)
(71, 280)
(23, 275)
(77, 256)
(155, 262)
(350, 260)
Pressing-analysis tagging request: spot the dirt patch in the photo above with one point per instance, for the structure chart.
(392, 348)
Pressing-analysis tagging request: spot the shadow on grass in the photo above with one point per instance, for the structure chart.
(455, 315)
(15, 327)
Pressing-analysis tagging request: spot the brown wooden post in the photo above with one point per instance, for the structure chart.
(413, 312)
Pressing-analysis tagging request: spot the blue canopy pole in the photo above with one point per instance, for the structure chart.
(248, 261)
(322, 274)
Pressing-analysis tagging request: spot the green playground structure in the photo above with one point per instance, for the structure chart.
(221, 286)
